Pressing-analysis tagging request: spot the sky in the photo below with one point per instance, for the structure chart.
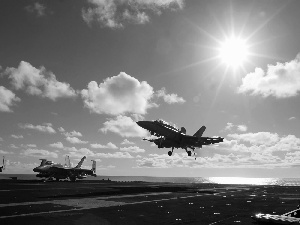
(75, 76)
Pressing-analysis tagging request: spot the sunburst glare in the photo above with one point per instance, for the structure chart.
(233, 52)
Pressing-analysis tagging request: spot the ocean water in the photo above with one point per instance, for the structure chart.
(188, 180)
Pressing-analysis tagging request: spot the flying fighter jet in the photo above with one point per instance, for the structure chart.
(4, 163)
(50, 170)
(171, 137)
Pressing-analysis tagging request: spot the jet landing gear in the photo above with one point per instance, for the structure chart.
(171, 152)
(190, 152)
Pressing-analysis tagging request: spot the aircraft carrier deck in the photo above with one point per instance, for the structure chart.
(103, 202)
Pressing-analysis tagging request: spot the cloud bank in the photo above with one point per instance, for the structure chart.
(281, 80)
(124, 126)
(36, 8)
(118, 95)
(45, 127)
(117, 13)
(38, 82)
(7, 99)
(169, 98)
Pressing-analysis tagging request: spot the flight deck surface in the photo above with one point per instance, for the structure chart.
(101, 202)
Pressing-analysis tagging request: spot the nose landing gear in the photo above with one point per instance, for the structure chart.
(171, 152)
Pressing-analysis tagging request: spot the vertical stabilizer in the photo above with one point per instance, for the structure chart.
(4, 163)
(80, 163)
(67, 161)
(94, 166)
(183, 130)
(200, 132)
(43, 162)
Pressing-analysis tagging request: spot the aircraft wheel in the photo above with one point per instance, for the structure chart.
(57, 179)
(189, 153)
(169, 153)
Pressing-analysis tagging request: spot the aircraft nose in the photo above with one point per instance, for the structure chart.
(142, 124)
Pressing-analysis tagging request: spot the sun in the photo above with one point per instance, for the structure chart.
(233, 52)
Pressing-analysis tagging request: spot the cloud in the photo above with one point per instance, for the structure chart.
(116, 155)
(61, 129)
(5, 152)
(231, 126)
(16, 167)
(118, 95)
(108, 145)
(36, 8)
(280, 81)
(7, 99)
(261, 142)
(259, 138)
(17, 136)
(72, 134)
(234, 154)
(38, 82)
(39, 153)
(292, 118)
(28, 145)
(126, 142)
(75, 140)
(46, 127)
(13, 146)
(242, 128)
(124, 126)
(116, 13)
(1, 139)
(132, 149)
(57, 145)
(169, 98)
(73, 152)
(164, 161)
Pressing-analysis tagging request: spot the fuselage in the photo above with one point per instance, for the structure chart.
(171, 137)
(159, 128)
(59, 171)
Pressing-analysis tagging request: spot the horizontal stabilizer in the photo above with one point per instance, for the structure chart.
(200, 132)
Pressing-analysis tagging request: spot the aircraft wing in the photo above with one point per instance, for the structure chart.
(210, 140)
(70, 171)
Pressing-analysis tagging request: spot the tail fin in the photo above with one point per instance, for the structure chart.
(94, 166)
(80, 163)
(200, 132)
(4, 163)
(67, 161)
(183, 130)
(43, 162)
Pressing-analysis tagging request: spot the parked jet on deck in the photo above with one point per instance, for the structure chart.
(171, 137)
(50, 170)
(4, 163)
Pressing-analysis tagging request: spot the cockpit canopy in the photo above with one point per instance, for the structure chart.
(161, 121)
(167, 124)
(49, 163)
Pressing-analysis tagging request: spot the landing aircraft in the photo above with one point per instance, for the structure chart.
(4, 163)
(171, 137)
(50, 170)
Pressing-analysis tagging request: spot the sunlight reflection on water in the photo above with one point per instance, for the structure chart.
(244, 180)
